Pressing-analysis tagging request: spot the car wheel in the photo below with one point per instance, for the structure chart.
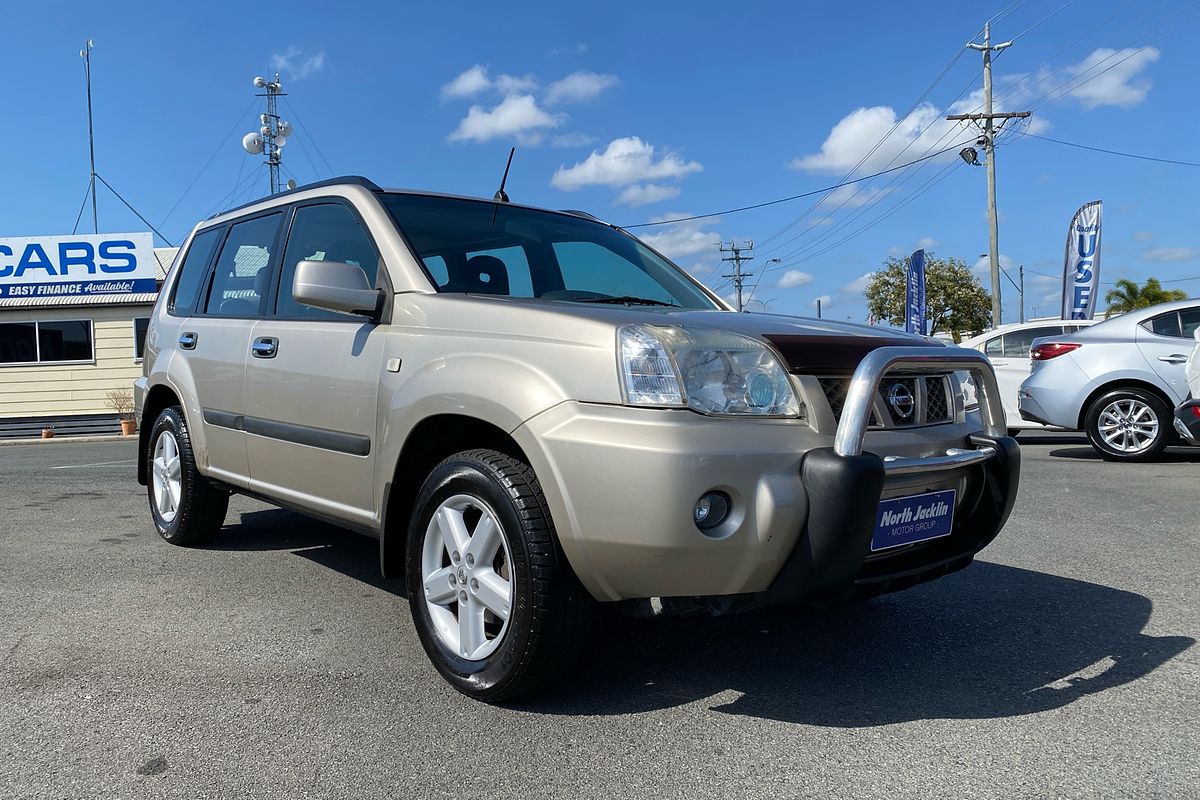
(497, 607)
(186, 508)
(1128, 425)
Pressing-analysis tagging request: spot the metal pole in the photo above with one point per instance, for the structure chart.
(1022, 290)
(87, 71)
(818, 308)
(990, 149)
(272, 126)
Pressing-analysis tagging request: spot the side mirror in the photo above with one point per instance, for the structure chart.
(337, 286)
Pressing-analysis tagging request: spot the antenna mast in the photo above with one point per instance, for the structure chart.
(86, 55)
(273, 135)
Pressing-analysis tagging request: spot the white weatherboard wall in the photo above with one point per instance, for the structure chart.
(52, 390)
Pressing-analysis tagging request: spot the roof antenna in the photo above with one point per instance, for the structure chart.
(500, 196)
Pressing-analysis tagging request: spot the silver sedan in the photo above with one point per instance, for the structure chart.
(1118, 381)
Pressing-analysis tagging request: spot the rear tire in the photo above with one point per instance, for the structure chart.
(185, 507)
(1129, 425)
(494, 601)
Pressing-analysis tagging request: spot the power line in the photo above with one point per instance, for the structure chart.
(233, 128)
(1044, 19)
(790, 198)
(1109, 152)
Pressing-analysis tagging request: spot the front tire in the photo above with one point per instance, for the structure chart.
(497, 607)
(185, 507)
(1128, 425)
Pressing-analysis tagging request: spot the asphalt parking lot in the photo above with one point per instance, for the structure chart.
(276, 663)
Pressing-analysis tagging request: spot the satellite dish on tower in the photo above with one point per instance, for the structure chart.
(291, 184)
(285, 128)
(260, 82)
(252, 143)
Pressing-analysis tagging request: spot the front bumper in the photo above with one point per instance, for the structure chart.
(1187, 421)
(621, 484)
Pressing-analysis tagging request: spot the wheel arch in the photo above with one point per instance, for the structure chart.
(1116, 385)
(429, 442)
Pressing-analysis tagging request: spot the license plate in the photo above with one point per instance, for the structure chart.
(905, 520)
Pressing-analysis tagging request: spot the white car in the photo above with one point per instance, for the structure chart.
(1007, 347)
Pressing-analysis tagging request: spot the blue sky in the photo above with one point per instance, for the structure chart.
(640, 112)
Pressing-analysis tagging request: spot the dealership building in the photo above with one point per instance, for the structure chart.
(73, 317)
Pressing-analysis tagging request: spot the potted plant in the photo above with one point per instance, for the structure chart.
(121, 401)
(48, 432)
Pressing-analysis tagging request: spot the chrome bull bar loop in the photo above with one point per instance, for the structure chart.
(856, 413)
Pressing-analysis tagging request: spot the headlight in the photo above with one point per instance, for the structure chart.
(704, 369)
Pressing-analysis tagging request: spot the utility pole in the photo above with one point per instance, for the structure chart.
(818, 308)
(1022, 291)
(86, 55)
(988, 140)
(737, 256)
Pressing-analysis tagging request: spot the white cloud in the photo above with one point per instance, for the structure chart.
(825, 300)
(640, 194)
(1142, 236)
(572, 140)
(683, 239)
(579, 87)
(857, 285)
(467, 84)
(1121, 85)
(625, 161)
(475, 81)
(517, 116)
(794, 277)
(853, 196)
(927, 243)
(294, 65)
(925, 130)
(1172, 254)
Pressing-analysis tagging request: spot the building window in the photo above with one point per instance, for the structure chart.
(140, 326)
(46, 342)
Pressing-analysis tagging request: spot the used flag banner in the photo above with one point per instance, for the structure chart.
(1081, 267)
(914, 294)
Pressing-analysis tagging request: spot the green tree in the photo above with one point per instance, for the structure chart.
(955, 301)
(1128, 296)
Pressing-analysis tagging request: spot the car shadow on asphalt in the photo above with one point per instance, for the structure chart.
(990, 641)
(1173, 455)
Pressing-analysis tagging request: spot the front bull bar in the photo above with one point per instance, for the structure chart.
(844, 486)
(856, 413)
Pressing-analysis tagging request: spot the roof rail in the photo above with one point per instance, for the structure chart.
(344, 180)
(577, 213)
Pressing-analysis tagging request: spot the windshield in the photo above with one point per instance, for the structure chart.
(530, 253)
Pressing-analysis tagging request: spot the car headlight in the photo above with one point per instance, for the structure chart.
(707, 370)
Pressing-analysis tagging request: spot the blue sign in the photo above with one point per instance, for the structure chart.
(914, 294)
(66, 266)
(905, 520)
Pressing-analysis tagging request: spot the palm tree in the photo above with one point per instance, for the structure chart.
(1128, 296)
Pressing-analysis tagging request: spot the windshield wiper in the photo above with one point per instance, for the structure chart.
(626, 300)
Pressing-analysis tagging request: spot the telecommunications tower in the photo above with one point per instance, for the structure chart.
(273, 135)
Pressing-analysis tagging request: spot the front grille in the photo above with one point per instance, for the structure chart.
(906, 401)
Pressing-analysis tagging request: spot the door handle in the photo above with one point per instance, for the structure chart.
(1174, 358)
(265, 347)
(187, 341)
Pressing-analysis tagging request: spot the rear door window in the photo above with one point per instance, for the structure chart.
(243, 270)
(1189, 321)
(1164, 325)
(994, 346)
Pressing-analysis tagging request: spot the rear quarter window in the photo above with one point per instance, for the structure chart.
(192, 270)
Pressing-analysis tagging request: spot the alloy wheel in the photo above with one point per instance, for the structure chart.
(467, 576)
(165, 475)
(1128, 425)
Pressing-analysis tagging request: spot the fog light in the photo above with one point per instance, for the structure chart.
(711, 510)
